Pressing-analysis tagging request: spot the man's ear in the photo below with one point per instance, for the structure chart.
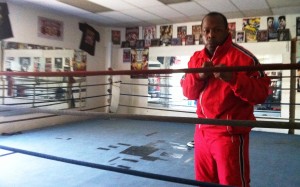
(227, 30)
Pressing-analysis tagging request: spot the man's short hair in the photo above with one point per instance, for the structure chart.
(281, 17)
(216, 14)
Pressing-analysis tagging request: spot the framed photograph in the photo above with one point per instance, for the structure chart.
(132, 35)
(67, 61)
(58, 63)
(189, 39)
(67, 68)
(176, 41)
(196, 31)
(140, 44)
(298, 27)
(262, 35)
(125, 44)
(166, 32)
(24, 63)
(48, 65)
(155, 42)
(232, 30)
(284, 35)
(240, 36)
(147, 43)
(149, 33)
(116, 37)
(126, 55)
(51, 29)
(272, 24)
(181, 31)
(36, 64)
(251, 26)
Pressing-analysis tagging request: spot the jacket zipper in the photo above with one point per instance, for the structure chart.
(200, 98)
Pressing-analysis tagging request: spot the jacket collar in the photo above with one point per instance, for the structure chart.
(221, 49)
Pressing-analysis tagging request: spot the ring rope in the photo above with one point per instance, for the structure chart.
(44, 116)
(247, 123)
(157, 71)
(114, 169)
(151, 108)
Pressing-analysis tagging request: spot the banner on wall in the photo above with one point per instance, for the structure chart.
(5, 27)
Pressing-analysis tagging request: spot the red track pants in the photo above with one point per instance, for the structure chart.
(222, 159)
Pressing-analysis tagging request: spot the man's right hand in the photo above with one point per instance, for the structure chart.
(205, 75)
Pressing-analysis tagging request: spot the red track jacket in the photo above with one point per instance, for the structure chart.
(221, 100)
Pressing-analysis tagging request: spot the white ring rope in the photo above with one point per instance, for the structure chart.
(240, 123)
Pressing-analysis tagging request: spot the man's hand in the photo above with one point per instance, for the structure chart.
(205, 75)
(225, 76)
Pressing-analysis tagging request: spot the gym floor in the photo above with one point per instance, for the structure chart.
(146, 146)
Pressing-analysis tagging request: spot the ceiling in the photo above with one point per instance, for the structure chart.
(128, 13)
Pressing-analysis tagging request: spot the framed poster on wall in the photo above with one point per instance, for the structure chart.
(49, 28)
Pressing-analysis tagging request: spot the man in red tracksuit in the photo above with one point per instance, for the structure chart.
(222, 152)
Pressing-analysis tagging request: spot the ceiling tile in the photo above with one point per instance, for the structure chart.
(119, 16)
(158, 22)
(164, 12)
(140, 14)
(230, 15)
(218, 5)
(250, 5)
(168, 2)
(286, 10)
(257, 13)
(50, 5)
(103, 20)
(189, 8)
(196, 18)
(283, 3)
(144, 4)
(179, 20)
(86, 5)
(114, 4)
(134, 24)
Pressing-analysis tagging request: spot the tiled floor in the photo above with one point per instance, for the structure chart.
(150, 147)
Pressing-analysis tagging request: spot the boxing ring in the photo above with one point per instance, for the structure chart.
(105, 146)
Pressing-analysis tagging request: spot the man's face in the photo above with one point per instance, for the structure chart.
(214, 32)
(270, 22)
(25, 62)
(282, 22)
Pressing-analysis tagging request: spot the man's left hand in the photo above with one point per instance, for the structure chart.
(225, 76)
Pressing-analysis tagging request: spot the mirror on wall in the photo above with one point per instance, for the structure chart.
(22, 57)
(37, 58)
(165, 90)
